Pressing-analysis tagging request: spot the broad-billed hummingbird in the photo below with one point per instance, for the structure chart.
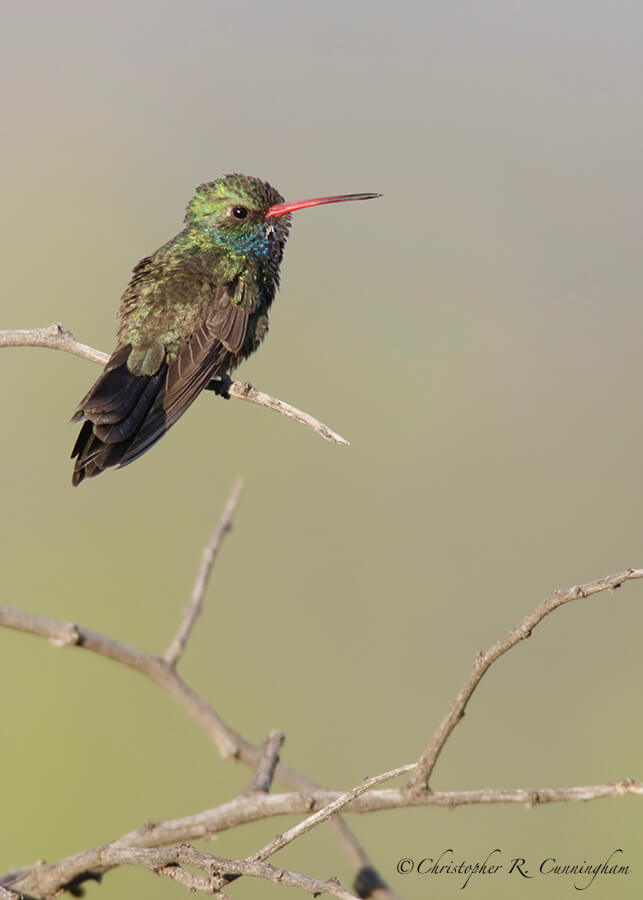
(191, 313)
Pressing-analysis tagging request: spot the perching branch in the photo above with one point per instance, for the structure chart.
(56, 337)
(485, 660)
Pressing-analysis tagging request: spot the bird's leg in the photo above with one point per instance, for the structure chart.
(220, 384)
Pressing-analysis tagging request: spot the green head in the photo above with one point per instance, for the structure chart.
(248, 216)
(232, 210)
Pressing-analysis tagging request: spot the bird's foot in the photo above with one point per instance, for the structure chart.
(220, 384)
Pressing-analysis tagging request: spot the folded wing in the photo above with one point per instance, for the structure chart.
(146, 388)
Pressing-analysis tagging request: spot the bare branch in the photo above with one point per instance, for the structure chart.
(265, 769)
(252, 807)
(486, 659)
(245, 391)
(56, 337)
(46, 880)
(195, 606)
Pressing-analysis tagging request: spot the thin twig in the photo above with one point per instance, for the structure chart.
(326, 812)
(54, 337)
(243, 390)
(485, 659)
(57, 337)
(265, 769)
(195, 606)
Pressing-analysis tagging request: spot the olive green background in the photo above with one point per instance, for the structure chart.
(475, 334)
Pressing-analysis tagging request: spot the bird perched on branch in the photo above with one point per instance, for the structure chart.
(191, 313)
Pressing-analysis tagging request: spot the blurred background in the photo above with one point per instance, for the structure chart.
(475, 334)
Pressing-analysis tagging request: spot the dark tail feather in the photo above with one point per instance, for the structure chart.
(114, 411)
(125, 414)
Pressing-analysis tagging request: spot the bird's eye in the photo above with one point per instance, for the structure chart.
(239, 212)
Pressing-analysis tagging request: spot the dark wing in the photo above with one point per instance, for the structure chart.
(126, 412)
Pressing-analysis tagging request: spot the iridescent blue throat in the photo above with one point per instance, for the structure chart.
(252, 243)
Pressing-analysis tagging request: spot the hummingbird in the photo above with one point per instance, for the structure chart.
(191, 312)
